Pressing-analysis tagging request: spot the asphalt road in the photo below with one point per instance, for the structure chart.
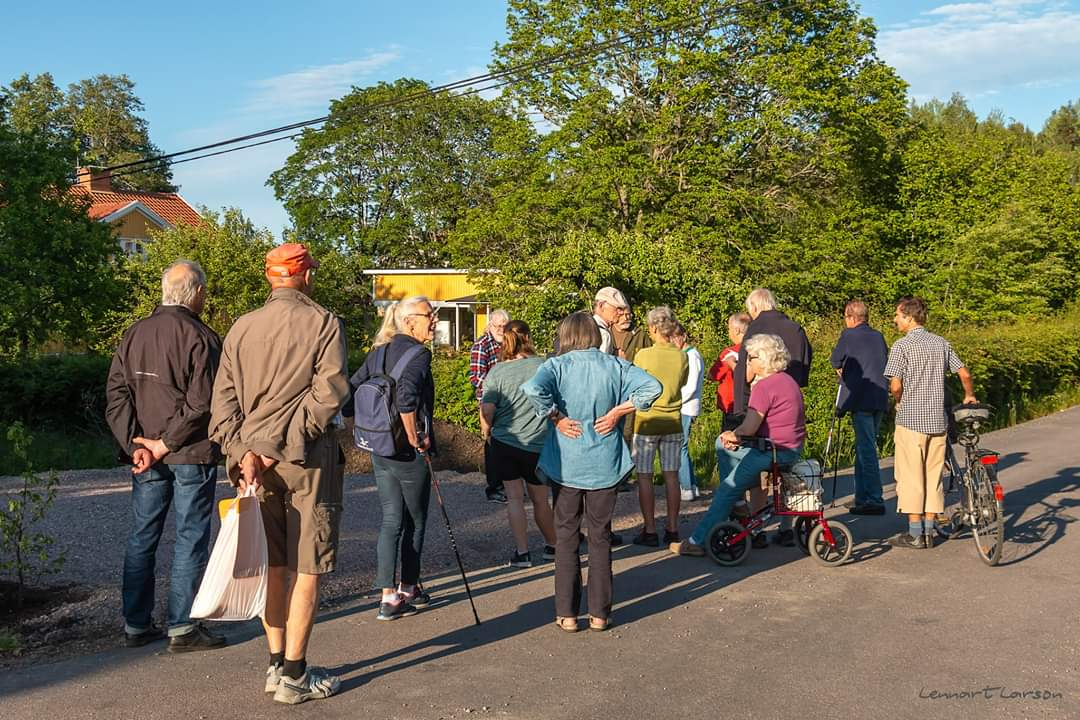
(893, 634)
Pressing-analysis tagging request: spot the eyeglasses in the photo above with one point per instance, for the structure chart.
(429, 315)
(751, 357)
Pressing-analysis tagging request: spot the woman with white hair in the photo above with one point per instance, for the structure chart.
(775, 411)
(403, 480)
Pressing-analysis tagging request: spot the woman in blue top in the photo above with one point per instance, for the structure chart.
(585, 394)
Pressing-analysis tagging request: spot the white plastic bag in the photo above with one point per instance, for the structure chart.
(234, 585)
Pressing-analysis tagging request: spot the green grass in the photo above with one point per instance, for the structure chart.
(9, 641)
(60, 450)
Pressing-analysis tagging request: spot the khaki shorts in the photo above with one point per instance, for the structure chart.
(301, 509)
(919, 461)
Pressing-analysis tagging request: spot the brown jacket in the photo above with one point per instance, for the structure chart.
(282, 380)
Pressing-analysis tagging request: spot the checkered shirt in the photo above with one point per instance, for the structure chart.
(482, 357)
(921, 360)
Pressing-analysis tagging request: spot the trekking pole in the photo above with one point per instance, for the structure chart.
(450, 532)
(832, 430)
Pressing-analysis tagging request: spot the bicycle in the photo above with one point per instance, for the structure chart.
(981, 508)
(796, 492)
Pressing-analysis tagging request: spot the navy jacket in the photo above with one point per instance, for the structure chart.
(861, 353)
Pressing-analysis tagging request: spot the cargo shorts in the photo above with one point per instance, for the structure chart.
(301, 508)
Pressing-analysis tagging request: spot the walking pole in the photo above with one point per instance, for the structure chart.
(450, 532)
(832, 429)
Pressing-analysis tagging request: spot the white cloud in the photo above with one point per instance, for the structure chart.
(982, 48)
(314, 87)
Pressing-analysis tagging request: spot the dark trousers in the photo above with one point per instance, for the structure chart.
(404, 492)
(189, 489)
(597, 507)
(494, 484)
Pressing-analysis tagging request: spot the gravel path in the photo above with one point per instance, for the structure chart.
(91, 518)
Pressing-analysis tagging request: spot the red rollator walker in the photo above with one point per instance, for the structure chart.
(796, 492)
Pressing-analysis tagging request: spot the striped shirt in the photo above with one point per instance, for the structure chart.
(921, 361)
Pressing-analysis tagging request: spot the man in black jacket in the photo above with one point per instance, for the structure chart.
(767, 320)
(158, 408)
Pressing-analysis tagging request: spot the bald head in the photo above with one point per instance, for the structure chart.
(184, 283)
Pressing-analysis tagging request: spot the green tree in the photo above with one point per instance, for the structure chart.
(99, 117)
(57, 277)
(389, 183)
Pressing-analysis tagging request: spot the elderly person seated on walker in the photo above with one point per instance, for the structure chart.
(775, 411)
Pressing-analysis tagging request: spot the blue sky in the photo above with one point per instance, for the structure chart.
(211, 70)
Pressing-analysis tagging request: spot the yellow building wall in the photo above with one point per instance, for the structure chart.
(440, 287)
(134, 225)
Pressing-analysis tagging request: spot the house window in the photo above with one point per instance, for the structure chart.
(132, 246)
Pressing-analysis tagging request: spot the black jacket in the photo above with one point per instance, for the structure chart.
(160, 384)
(774, 322)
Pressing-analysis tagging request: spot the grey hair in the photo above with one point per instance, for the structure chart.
(394, 318)
(663, 320)
(182, 290)
(740, 321)
(770, 350)
(759, 301)
(500, 313)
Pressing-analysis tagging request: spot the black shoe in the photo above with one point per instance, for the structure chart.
(520, 560)
(393, 611)
(648, 539)
(904, 540)
(615, 539)
(759, 541)
(144, 638)
(671, 537)
(785, 538)
(417, 598)
(498, 496)
(549, 551)
(867, 509)
(197, 638)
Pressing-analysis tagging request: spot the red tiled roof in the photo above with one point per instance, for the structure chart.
(171, 207)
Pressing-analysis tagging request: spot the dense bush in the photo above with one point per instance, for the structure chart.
(55, 391)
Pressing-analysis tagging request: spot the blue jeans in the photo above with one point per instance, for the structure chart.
(404, 492)
(867, 469)
(686, 468)
(739, 471)
(190, 489)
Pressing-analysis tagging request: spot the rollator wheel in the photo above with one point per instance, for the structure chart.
(722, 549)
(835, 554)
(803, 526)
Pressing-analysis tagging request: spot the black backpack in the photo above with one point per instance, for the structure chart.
(377, 423)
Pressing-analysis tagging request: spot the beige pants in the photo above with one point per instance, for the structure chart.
(919, 461)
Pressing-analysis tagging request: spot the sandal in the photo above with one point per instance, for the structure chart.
(599, 624)
(567, 624)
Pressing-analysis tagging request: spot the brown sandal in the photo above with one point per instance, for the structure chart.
(567, 624)
(599, 624)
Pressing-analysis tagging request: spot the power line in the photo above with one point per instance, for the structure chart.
(512, 73)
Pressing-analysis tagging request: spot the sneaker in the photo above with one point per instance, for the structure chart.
(759, 541)
(687, 495)
(786, 538)
(648, 539)
(687, 548)
(549, 552)
(393, 611)
(417, 598)
(152, 634)
(867, 509)
(197, 638)
(671, 537)
(520, 560)
(498, 496)
(273, 678)
(904, 540)
(315, 684)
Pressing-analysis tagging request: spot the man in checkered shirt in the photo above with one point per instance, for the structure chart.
(917, 366)
(482, 357)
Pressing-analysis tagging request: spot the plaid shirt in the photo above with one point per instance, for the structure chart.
(482, 357)
(921, 360)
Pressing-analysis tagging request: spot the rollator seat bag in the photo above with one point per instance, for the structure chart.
(377, 423)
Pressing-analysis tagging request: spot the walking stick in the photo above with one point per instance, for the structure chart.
(450, 532)
(832, 429)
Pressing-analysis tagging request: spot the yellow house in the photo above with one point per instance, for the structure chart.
(461, 317)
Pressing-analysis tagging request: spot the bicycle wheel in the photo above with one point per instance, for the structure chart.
(720, 547)
(988, 514)
(831, 555)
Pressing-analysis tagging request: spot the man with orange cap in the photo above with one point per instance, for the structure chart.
(282, 381)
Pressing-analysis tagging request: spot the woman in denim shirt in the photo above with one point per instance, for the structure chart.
(585, 393)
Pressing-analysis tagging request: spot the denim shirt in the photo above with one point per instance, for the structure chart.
(584, 385)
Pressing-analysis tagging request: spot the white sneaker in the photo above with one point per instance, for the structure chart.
(273, 678)
(687, 495)
(315, 684)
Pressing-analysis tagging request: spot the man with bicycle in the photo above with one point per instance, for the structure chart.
(917, 366)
